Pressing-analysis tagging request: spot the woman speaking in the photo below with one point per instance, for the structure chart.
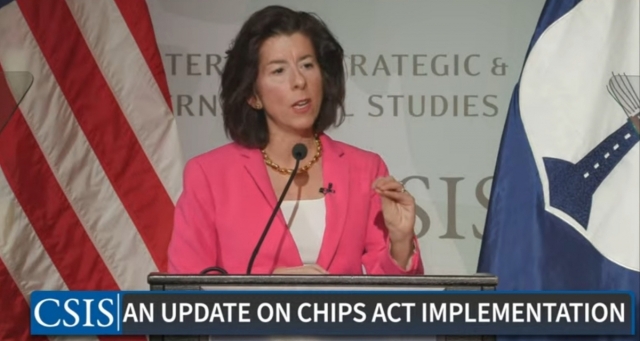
(341, 213)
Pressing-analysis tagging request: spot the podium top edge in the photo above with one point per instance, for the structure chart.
(476, 280)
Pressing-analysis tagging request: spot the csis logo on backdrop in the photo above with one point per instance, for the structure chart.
(453, 230)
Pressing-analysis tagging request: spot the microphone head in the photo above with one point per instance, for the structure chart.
(299, 151)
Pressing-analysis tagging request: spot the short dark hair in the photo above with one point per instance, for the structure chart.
(248, 126)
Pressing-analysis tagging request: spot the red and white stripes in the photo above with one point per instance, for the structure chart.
(91, 164)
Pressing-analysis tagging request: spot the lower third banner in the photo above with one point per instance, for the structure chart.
(331, 313)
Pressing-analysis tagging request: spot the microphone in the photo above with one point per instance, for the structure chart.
(329, 189)
(299, 152)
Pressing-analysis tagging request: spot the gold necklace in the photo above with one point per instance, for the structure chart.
(302, 169)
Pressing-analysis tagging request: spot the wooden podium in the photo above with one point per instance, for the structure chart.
(166, 282)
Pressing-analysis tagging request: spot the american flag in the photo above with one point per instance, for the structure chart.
(91, 163)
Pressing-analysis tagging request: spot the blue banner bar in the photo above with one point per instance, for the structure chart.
(356, 313)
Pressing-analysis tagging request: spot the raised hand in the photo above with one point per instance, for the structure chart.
(398, 208)
(399, 212)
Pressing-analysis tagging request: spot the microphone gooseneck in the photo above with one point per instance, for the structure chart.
(299, 152)
(214, 268)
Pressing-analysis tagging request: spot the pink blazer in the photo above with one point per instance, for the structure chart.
(227, 199)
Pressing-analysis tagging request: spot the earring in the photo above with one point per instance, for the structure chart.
(258, 106)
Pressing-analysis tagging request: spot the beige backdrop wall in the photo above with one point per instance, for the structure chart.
(429, 86)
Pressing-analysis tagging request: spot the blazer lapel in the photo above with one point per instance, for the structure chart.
(335, 172)
(255, 167)
(283, 245)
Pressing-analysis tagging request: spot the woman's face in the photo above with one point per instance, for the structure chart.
(289, 83)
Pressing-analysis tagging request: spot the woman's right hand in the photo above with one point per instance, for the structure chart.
(313, 269)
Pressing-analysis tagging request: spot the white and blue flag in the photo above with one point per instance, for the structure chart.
(564, 211)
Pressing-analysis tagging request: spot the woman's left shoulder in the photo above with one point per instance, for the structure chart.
(354, 154)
